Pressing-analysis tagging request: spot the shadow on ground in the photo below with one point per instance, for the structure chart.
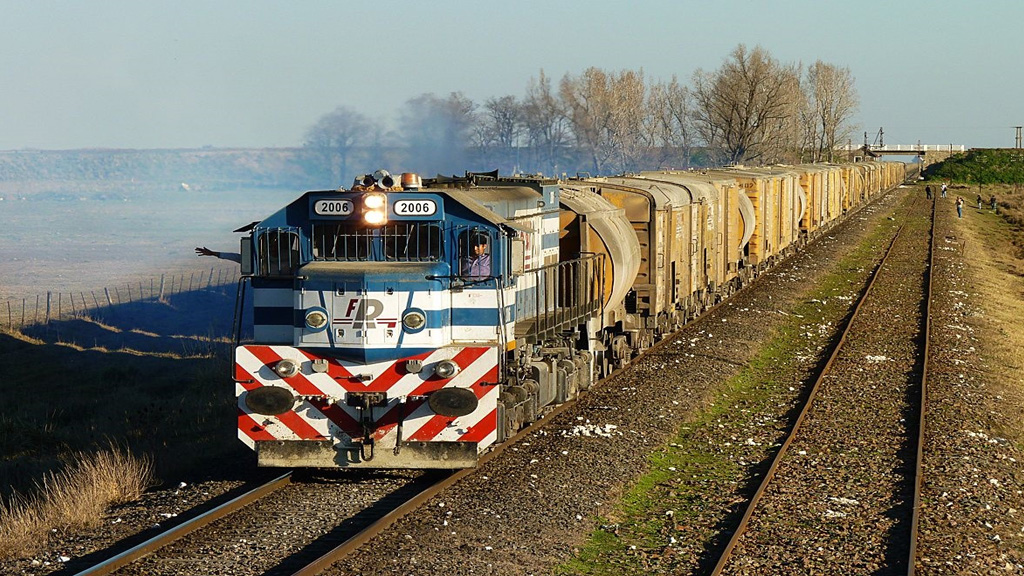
(150, 376)
(188, 324)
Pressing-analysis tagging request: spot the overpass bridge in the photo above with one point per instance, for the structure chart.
(928, 153)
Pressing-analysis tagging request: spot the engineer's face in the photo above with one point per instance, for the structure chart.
(479, 249)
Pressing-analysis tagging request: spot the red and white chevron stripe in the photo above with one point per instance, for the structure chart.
(322, 413)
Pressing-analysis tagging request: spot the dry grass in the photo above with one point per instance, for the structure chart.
(997, 273)
(1011, 207)
(72, 499)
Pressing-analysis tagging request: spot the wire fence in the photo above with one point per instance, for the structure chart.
(58, 306)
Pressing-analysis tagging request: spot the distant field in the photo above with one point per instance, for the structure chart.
(78, 242)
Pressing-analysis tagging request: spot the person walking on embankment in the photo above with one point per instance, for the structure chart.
(959, 206)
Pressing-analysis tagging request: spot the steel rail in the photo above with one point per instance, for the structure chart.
(180, 531)
(784, 449)
(918, 467)
(366, 534)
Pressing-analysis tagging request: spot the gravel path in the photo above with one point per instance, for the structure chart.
(972, 518)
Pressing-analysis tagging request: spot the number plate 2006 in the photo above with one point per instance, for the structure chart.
(332, 207)
(422, 207)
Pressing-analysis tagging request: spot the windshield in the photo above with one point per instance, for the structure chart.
(400, 242)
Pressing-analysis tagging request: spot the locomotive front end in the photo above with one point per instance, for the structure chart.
(376, 339)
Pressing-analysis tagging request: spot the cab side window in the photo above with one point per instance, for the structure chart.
(278, 252)
(475, 254)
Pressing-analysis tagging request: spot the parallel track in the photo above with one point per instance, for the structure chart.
(784, 450)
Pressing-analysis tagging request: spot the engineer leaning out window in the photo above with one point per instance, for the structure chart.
(477, 260)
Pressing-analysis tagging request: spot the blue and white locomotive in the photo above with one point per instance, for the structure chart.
(398, 325)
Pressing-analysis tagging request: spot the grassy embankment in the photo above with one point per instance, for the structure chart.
(994, 254)
(95, 408)
(988, 173)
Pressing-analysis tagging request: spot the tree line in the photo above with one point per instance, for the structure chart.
(753, 109)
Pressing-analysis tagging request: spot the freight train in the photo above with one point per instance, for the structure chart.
(414, 323)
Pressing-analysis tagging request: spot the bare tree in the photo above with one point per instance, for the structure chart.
(742, 105)
(588, 103)
(546, 125)
(609, 117)
(670, 107)
(833, 100)
(499, 130)
(331, 140)
(437, 132)
(631, 126)
(782, 136)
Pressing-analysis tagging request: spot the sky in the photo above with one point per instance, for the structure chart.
(256, 73)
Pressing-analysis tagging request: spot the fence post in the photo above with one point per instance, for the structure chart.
(49, 297)
(209, 280)
(10, 317)
(107, 292)
(23, 312)
(190, 278)
(95, 301)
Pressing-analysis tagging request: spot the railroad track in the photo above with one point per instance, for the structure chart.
(307, 516)
(375, 514)
(329, 550)
(178, 532)
(842, 493)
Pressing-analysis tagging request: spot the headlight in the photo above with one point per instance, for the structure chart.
(375, 217)
(286, 368)
(316, 319)
(446, 369)
(414, 320)
(269, 400)
(375, 209)
(374, 201)
(453, 402)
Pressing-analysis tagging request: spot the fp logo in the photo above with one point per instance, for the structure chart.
(362, 312)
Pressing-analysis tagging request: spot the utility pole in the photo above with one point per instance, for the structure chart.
(1018, 136)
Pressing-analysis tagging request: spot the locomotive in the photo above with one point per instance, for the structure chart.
(414, 323)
